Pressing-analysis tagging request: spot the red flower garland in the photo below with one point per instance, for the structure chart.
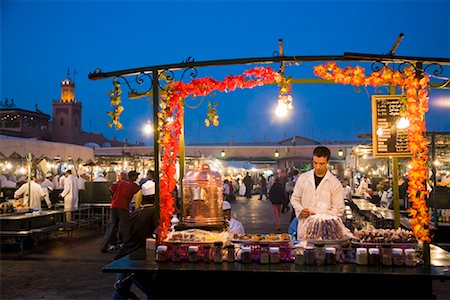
(170, 126)
(417, 106)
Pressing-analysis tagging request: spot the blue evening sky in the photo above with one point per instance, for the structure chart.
(41, 39)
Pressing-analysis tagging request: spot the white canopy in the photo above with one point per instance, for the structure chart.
(39, 149)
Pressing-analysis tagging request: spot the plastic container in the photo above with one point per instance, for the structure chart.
(299, 255)
(410, 257)
(374, 256)
(246, 255)
(230, 253)
(309, 255)
(206, 256)
(274, 257)
(330, 256)
(193, 253)
(398, 258)
(218, 252)
(264, 257)
(161, 253)
(362, 256)
(319, 254)
(386, 256)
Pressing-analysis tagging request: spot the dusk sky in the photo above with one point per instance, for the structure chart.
(41, 39)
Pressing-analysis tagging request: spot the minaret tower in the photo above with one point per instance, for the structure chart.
(66, 123)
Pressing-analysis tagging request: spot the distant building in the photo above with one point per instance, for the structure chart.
(65, 127)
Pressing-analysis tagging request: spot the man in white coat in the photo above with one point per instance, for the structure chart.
(318, 190)
(70, 194)
(33, 201)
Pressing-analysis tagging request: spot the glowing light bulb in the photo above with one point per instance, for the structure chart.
(281, 110)
(380, 131)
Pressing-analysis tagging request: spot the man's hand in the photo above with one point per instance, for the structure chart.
(306, 213)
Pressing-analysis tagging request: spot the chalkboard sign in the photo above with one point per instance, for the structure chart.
(388, 140)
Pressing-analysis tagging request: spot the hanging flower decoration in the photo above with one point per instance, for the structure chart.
(416, 107)
(115, 96)
(213, 117)
(170, 126)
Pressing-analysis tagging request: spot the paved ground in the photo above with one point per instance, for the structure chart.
(71, 268)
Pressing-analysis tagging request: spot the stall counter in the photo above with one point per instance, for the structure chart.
(283, 280)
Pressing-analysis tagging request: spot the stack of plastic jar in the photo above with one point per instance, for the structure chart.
(309, 255)
(230, 253)
(218, 251)
(264, 257)
(386, 255)
(319, 254)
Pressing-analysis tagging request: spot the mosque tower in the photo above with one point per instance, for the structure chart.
(66, 123)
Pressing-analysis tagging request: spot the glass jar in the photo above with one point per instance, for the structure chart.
(361, 256)
(264, 257)
(218, 252)
(230, 253)
(319, 254)
(274, 257)
(386, 255)
(374, 256)
(246, 255)
(299, 255)
(330, 255)
(161, 253)
(398, 258)
(176, 252)
(206, 254)
(192, 253)
(410, 257)
(309, 255)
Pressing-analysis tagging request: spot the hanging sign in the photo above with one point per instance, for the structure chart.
(387, 139)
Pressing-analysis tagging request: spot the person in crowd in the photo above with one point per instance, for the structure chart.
(70, 194)
(47, 183)
(347, 190)
(228, 193)
(149, 176)
(61, 180)
(235, 226)
(263, 186)
(318, 190)
(34, 197)
(284, 179)
(100, 178)
(277, 196)
(47, 187)
(81, 180)
(248, 185)
(445, 180)
(55, 180)
(123, 193)
(147, 188)
(142, 226)
(241, 187)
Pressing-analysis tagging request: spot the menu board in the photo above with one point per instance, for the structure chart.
(388, 140)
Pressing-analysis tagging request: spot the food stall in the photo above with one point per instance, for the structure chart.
(200, 253)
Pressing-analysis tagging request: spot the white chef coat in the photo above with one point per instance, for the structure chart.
(70, 192)
(328, 198)
(34, 202)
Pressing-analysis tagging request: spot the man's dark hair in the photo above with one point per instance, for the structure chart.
(321, 151)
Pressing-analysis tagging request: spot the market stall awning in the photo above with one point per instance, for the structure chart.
(11, 147)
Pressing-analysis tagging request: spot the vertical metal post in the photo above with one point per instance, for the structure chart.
(156, 154)
(433, 170)
(395, 192)
(182, 155)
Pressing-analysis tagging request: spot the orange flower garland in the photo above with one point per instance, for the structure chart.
(417, 106)
(169, 126)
